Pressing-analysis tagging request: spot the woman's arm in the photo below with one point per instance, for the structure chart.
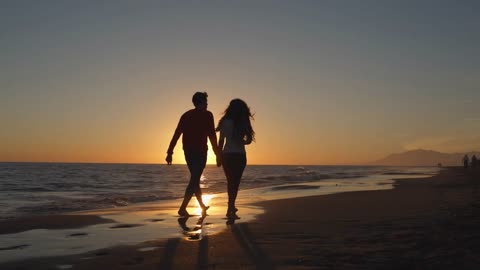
(221, 140)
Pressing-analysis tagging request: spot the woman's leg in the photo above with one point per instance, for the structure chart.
(240, 164)
(227, 168)
(233, 166)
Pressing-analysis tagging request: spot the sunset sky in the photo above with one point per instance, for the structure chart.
(330, 82)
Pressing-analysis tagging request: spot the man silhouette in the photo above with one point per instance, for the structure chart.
(195, 125)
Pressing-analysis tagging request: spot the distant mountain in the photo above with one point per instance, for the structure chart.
(422, 157)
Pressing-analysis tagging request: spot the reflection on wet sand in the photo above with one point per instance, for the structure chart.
(192, 234)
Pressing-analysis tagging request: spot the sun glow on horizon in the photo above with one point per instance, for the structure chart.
(211, 157)
(179, 157)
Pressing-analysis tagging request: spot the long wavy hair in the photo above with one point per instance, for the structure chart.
(239, 112)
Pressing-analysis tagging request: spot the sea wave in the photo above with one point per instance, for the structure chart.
(39, 188)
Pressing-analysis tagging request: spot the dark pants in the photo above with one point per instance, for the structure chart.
(233, 166)
(196, 163)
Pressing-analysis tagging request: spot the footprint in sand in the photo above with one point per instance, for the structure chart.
(155, 220)
(77, 234)
(101, 253)
(14, 247)
(134, 261)
(124, 226)
(64, 266)
(146, 249)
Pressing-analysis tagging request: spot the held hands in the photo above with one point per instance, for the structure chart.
(219, 160)
(168, 159)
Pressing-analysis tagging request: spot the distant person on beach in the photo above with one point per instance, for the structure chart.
(195, 125)
(474, 161)
(465, 161)
(235, 132)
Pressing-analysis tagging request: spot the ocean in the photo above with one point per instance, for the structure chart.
(28, 189)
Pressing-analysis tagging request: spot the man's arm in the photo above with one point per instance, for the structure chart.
(173, 142)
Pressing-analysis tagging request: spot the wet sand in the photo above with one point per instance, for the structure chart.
(50, 222)
(428, 223)
(421, 224)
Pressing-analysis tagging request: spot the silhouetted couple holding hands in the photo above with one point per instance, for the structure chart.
(197, 125)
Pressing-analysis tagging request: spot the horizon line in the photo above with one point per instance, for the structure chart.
(146, 163)
(184, 164)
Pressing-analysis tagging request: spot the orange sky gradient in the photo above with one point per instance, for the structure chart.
(329, 83)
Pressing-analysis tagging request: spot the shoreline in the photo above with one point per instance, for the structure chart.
(336, 228)
(66, 200)
(247, 197)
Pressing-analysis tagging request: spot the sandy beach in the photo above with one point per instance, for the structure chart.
(427, 223)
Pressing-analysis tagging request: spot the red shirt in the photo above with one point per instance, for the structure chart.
(196, 125)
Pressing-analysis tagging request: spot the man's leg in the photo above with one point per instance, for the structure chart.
(198, 191)
(196, 175)
(190, 188)
(196, 163)
(186, 199)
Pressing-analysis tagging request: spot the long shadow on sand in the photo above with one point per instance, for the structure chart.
(191, 234)
(240, 231)
(167, 260)
(197, 234)
(246, 241)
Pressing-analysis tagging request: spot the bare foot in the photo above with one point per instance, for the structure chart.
(204, 210)
(183, 213)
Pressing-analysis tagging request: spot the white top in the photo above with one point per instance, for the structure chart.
(226, 133)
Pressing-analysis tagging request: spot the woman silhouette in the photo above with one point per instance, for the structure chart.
(235, 132)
